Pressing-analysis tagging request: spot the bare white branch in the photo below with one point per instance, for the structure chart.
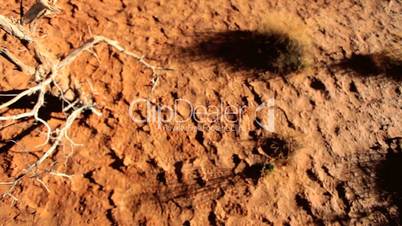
(101, 39)
(43, 184)
(14, 29)
(60, 175)
(47, 76)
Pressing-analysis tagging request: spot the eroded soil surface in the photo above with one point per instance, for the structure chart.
(334, 158)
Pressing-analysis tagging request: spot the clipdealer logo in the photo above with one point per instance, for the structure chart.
(143, 111)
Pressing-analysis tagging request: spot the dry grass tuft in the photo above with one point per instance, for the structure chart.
(278, 46)
(295, 36)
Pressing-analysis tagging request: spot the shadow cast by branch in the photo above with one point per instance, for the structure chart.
(53, 104)
(182, 191)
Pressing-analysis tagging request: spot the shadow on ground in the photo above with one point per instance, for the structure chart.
(373, 65)
(273, 148)
(389, 174)
(53, 104)
(166, 193)
(372, 192)
(248, 50)
(377, 179)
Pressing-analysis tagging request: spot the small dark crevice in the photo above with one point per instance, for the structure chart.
(90, 177)
(200, 137)
(312, 103)
(244, 101)
(161, 177)
(177, 169)
(198, 178)
(118, 97)
(236, 160)
(257, 97)
(109, 212)
(156, 19)
(318, 85)
(212, 219)
(253, 135)
(174, 95)
(353, 88)
(313, 177)
(118, 163)
(153, 163)
(340, 188)
(266, 221)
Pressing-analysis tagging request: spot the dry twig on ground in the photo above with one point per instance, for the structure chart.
(47, 75)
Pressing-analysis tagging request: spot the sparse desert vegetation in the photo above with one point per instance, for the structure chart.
(279, 46)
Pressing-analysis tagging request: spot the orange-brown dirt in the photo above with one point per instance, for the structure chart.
(343, 127)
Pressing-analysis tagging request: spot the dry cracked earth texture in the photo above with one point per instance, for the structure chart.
(333, 159)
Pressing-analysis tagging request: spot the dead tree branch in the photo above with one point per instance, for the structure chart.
(14, 29)
(47, 76)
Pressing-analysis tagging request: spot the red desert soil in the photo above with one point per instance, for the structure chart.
(338, 128)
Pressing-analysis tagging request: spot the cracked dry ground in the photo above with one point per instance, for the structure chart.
(344, 127)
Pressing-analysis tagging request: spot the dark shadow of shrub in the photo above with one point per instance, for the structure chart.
(378, 64)
(389, 174)
(253, 51)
